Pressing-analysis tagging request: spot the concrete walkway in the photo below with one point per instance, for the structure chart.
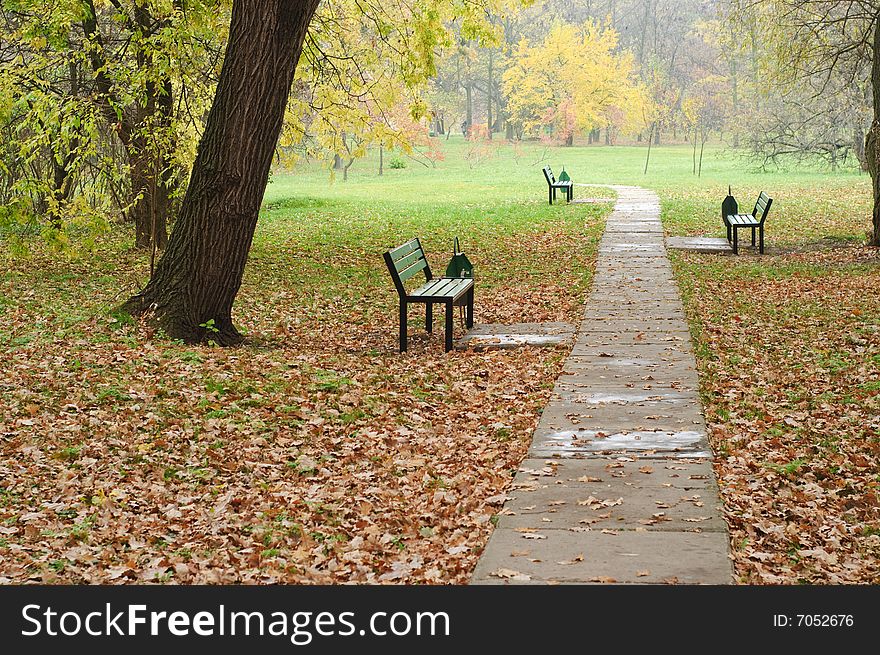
(618, 483)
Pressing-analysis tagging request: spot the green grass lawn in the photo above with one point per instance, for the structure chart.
(317, 453)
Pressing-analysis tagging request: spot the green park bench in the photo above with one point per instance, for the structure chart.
(406, 261)
(736, 222)
(553, 184)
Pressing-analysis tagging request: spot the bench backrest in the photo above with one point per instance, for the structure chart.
(405, 261)
(548, 174)
(762, 206)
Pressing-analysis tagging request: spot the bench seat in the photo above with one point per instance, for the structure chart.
(442, 288)
(746, 220)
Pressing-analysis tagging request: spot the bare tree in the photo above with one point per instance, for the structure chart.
(825, 45)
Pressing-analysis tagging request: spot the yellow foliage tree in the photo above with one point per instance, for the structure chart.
(362, 79)
(575, 80)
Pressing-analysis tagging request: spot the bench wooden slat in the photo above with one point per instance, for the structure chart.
(442, 288)
(409, 259)
(402, 251)
(443, 293)
(742, 219)
(420, 265)
(429, 288)
(437, 288)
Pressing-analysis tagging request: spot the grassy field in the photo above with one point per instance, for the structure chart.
(317, 453)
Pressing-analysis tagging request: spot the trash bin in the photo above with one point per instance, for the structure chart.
(729, 206)
(459, 265)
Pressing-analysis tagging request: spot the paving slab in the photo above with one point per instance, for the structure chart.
(618, 484)
(590, 398)
(610, 382)
(488, 336)
(637, 324)
(668, 494)
(624, 361)
(598, 348)
(594, 556)
(581, 442)
(633, 337)
(700, 244)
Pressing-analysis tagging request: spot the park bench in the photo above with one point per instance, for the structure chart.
(753, 221)
(406, 261)
(553, 184)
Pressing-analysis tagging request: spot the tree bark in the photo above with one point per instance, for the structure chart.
(469, 109)
(872, 151)
(859, 146)
(704, 136)
(192, 290)
(62, 185)
(489, 87)
(149, 172)
(735, 89)
(150, 193)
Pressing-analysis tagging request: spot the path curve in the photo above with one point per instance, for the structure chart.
(618, 483)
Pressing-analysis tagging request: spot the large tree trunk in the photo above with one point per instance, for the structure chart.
(192, 290)
(489, 87)
(872, 144)
(62, 185)
(859, 146)
(149, 170)
(735, 97)
(469, 109)
(151, 196)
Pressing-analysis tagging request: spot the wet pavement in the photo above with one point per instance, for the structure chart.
(489, 336)
(618, 485)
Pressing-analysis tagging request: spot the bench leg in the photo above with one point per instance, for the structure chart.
(403, 326)
(735, 245)
(550, 194)
(469, 321)
(753, 237)
(761, 239)
(448, 326)
(729, 238)
(429, 317)
(571, 193)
